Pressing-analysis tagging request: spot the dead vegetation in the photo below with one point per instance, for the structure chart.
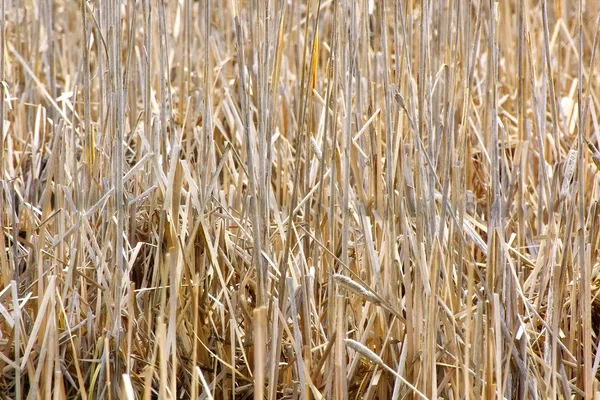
(285, 199)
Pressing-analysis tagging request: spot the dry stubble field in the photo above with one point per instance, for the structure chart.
(275, 199)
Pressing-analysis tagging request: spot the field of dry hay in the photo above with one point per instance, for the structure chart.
(321, 199)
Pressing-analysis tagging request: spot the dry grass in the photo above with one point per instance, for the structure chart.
(285, 199)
